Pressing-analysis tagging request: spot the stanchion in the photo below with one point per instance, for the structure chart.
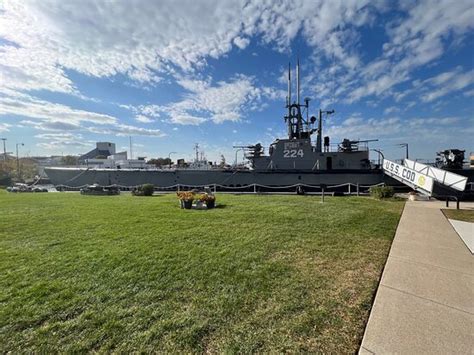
(357, 186)
(254, 188)
(349, 188)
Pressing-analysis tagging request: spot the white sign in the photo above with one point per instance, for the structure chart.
(408, 176)
(455, 181)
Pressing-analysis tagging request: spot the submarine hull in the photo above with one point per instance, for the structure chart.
(78, 177)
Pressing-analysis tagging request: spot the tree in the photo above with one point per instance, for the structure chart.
(28, 170)
(159, 162)
(69, 160)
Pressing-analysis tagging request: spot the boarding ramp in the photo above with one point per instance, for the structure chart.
(443, 177)
(416, 180)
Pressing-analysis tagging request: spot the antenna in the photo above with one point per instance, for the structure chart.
(289, 84)
(196, 148)
(298, 82)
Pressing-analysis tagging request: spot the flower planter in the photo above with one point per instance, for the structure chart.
(188, 204)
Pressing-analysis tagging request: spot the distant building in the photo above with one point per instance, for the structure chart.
(104, 149)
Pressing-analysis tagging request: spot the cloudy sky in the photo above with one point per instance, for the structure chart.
(173, 73)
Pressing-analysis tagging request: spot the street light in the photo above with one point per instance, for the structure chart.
(406, 148)
(380, 154)
(169, 157)
(4, 149)
(18, 161)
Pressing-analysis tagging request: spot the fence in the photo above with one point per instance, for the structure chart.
(341, 189)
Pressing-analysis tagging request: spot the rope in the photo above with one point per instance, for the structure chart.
(226, 187)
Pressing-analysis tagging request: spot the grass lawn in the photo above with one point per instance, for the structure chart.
(460, 215)
(123, 273)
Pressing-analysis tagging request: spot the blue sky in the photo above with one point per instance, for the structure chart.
(174, 73)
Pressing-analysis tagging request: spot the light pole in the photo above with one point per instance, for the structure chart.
(169, 157)
(4, 149)
(380, 154)
(406, 148)
(18, 161)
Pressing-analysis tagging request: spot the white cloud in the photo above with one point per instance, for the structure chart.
(469, 93)
(143, 119)
(391, 109)
(67, 141)
(47, 116)
(104, 39)
(204, 101)
(29, 106)
(241, 42)
(418, 35)
(395, 128)
(4, 127)
(445, 83)
(138, 39)
(123, 130)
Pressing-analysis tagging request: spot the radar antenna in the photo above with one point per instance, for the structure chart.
(298, 126)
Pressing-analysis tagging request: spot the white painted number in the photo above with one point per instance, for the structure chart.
(293, 153)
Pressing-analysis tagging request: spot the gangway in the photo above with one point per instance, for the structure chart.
(422, 178)
(408, 176)
(443, 177)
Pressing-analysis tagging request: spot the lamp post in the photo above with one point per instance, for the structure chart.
(18, 161)
(4, 149)
(169, 157)
(380, 154)
(406, 148)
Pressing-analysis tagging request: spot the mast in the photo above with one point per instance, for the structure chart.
(319, 146)
(196, 148)
(289, 85)
(298, 82)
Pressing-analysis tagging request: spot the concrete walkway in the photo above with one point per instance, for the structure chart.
(425, 300)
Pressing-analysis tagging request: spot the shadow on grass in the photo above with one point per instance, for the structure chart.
(221, 206)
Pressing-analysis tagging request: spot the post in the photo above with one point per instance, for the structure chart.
(322, 195)
(357, 187)
(254, 188)
(349, 188)
(18, 161)
(447, 201)
(178, 187)
(215, 188)
(4, 149)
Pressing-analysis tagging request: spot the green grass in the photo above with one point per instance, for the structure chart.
(123, 273)
(460, 215)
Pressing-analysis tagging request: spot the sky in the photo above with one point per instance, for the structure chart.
(170, 74)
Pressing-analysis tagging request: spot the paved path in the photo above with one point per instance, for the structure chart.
(425, 300)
